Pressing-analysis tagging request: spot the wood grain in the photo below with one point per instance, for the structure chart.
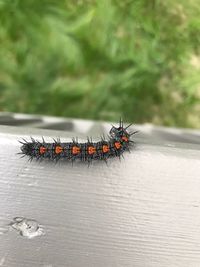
(143, 211)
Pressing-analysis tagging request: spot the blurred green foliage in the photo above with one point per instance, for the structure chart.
(103, 59)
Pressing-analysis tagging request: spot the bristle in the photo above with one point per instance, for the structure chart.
(133, 133)
(120, 122)
(128, 126)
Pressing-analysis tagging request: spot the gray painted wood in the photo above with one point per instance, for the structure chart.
(143, 211)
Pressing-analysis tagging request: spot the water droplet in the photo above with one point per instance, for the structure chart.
(27, 227)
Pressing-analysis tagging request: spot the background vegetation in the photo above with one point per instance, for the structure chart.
(102, 59)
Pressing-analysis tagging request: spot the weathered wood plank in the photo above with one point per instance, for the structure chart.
(142, 211)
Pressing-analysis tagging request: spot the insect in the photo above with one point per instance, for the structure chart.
(118, 142)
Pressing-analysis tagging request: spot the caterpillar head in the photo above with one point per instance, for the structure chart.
(118, 132)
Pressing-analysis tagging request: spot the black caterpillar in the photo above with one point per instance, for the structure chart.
(119, 141)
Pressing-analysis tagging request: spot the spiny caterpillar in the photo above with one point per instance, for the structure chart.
(118, 142)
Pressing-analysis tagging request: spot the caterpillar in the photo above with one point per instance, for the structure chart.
(118, 142)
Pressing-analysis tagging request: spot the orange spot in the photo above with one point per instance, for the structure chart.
(117, 145)
(124, 138)
(91, 150)
(42, 150)
(105, 148)
(58, 149)
(76, 150)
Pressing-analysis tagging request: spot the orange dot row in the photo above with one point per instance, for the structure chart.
(76, 150)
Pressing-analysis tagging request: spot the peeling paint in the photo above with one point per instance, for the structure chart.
(27, 227)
